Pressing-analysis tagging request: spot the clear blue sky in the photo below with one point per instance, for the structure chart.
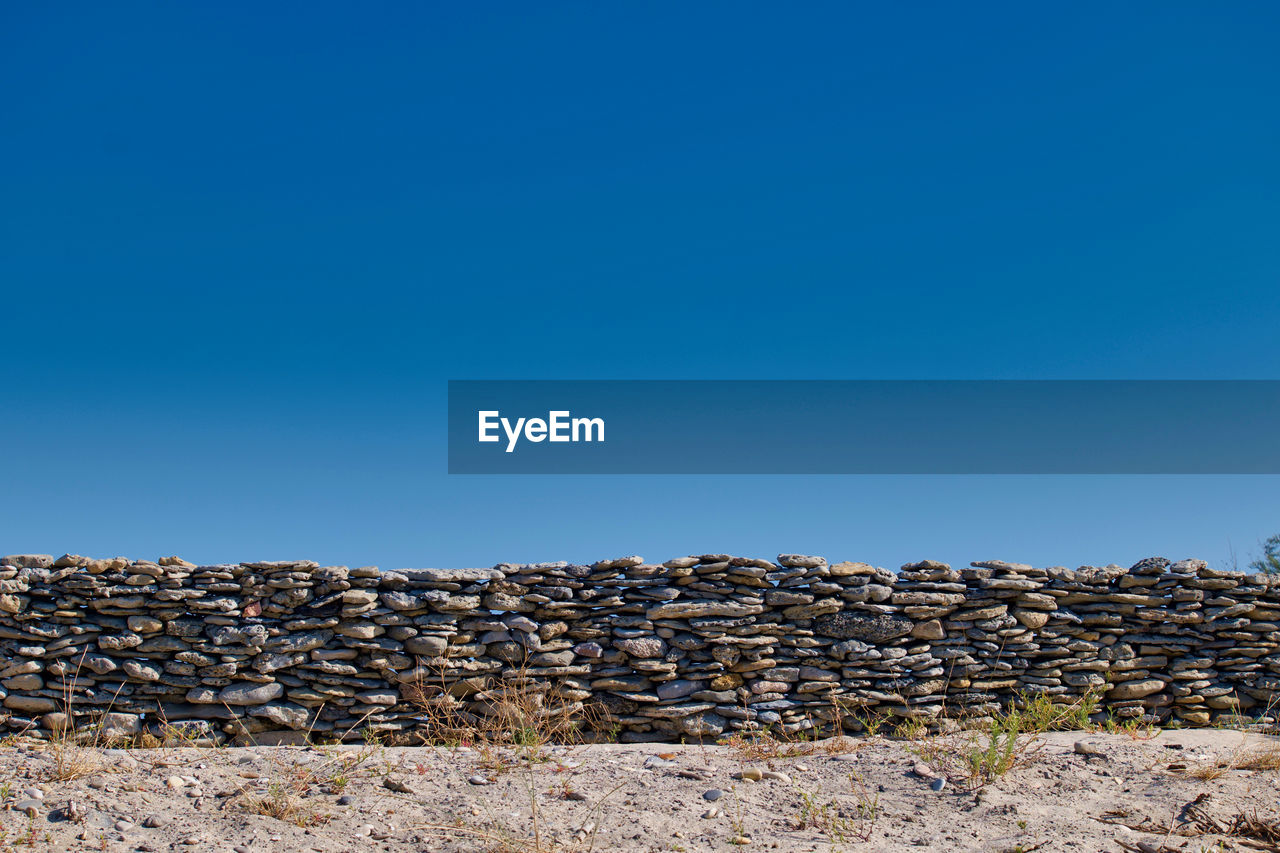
(242, 248)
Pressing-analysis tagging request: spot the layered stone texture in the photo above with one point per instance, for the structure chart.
(694, 647)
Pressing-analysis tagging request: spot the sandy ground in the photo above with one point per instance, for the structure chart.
(1072, 791)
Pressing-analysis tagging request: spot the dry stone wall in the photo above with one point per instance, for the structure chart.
(690, 648)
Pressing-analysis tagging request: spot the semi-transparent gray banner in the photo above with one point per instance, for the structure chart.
(864, 427)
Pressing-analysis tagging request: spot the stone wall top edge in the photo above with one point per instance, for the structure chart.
(815, 564)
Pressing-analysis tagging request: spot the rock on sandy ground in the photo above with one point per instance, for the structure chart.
(1073, 791)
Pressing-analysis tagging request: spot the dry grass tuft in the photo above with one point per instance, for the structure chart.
(766, 745)
(1264, 756)
(820, 735)
(512, 709)
(281, 803)
(284, 792)
(74, 762)
(76, 752)
(513, 720)
(1261, 757)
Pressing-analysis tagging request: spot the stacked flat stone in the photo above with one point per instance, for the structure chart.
(691, 648)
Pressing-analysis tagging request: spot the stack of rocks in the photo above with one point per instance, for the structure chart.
(693, 647)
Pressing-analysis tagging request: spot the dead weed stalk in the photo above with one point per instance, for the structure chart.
(515, 721)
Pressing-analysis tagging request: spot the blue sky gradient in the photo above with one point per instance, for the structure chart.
(242, 250)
